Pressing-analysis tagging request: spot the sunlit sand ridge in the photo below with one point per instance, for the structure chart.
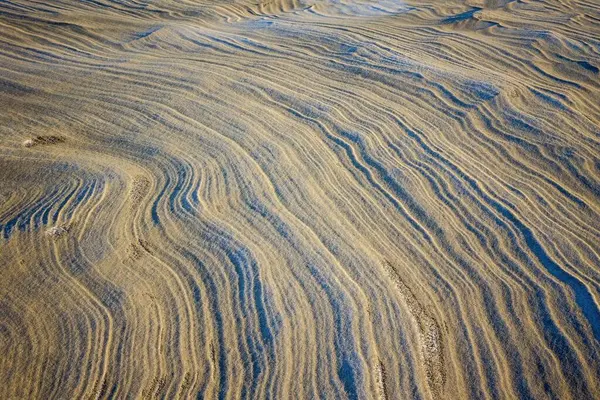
(299, 199)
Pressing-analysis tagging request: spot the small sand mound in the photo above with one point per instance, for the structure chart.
(43, 140)
(57, 231)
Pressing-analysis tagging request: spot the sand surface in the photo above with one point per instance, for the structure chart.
(299, 199)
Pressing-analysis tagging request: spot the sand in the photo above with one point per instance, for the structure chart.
(299, 199)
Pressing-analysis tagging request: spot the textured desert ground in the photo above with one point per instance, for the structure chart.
(300, 199)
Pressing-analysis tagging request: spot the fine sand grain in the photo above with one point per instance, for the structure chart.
(298, 199)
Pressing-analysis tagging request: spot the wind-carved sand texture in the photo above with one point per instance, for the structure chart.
(196, 198)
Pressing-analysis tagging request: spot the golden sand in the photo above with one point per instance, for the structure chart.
(299, 199)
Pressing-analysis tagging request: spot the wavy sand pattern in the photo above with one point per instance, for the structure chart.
(299, 199)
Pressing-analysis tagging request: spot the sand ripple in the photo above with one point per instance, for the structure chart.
(299, 199)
